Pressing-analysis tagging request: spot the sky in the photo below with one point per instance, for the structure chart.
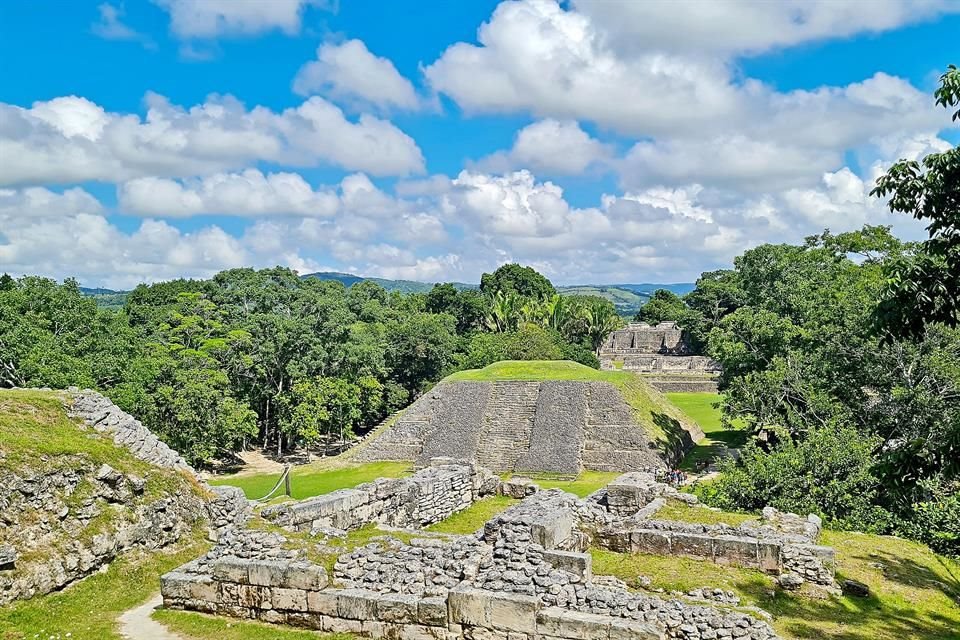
(599, 141)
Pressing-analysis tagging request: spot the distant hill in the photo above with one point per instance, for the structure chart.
(403, 286)
(106, 298)
(626, 302)
(679, 288)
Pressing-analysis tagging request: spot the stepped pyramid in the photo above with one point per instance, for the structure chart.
(554, 426)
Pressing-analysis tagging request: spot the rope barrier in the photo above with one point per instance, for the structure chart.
(284, 480)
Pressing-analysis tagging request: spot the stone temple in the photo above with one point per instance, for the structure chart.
(660, 349)
(557, 426)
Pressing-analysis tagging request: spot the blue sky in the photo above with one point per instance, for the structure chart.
(597, 141)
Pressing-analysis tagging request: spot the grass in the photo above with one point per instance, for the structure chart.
(37, 435)
(89, 609)
(915, 594)
(662, 420)
(473, 517)
(702, 408)
(676, 510)
(585, 484)
(314, 479)
(198, 626)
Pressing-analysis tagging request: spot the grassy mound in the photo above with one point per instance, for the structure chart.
(702, 408)
(662, 420)
(915, 594)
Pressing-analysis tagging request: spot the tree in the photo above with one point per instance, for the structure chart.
(663, 305)
(321, 407)
(923, 288)
(601, 319)
(513, 278)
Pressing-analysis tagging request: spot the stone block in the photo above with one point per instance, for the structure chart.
(305, 575)
(579, 564)
(572, 625)
(188, 586)
(289, 599)
(8, 557)
(230, 569)
(323, 602)
(650, 541)
(273, 617)
(769, 556)
(397, 607)
(432, 612)
(341, 625)
(621, 629)
(267, 573)
(692, 545)
(469, 607)
(357, 604)
(736, 551)
(551, 532)
(518, 488)
(514, 612)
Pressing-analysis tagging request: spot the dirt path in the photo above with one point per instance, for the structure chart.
(136, 624)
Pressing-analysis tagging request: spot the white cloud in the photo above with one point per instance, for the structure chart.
(750, 26)
(71, 139)
(35, 202)
(549, 146)
(110, 26)
(350, 72)
(212, 18)
(250, 193)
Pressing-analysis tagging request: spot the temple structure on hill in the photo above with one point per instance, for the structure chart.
(660, 349)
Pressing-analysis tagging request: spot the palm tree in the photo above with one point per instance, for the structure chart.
(505, 311)
(601, 319)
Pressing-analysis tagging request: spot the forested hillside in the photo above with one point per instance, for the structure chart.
(269, 359)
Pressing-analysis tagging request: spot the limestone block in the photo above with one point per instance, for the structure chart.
(323, 602)
(579, 564)
(432, 612)
(518, 488)
(306, 620)
(289, 599)
(691, 544)
(187, 586)
(397, 607)
(513, 612)
(230, 569)
(551, 533)
(650, 541)
(305, 575)
(267, 573)
(273, 617)
(634, 630)
(769, 555)
(468, 606)
(8, 557)
(357, 604)
(736, 551)
(341, 625)
(572, 625)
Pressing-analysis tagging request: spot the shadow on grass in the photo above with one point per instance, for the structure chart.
(676, 440)
(912, 574)
(824, 617)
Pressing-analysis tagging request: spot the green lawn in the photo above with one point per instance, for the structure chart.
(915, 594)
(702, 408)
(197, 626)
(585, 484)
(659, 418)
(682, 512)
(310, 480)
(473, 517)
(89, 609)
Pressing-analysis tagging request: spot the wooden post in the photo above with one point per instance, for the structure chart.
(286, 481)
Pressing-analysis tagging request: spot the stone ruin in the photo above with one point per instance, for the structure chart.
(48, 508)
(559, 427)
(525, 575)
(662, 350)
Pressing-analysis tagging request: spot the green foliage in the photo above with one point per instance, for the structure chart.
(923, 287)
(829, 472)
(522, 281)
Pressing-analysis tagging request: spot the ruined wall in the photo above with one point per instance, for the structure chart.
(559, 427)
(430, 495)
(659, 349)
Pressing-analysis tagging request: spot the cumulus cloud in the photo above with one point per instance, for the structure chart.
(550, 147)
(350, 72)
(110, 26)
(35, 202)
(71, 139)
(212, 18)
(750, 26)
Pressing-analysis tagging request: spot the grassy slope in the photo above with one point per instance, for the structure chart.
(915, 593)
(702, 408)
(89, 609)
(473, 517)
(198, 626)
(36, 434)
(316, 479)
(661, 419)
